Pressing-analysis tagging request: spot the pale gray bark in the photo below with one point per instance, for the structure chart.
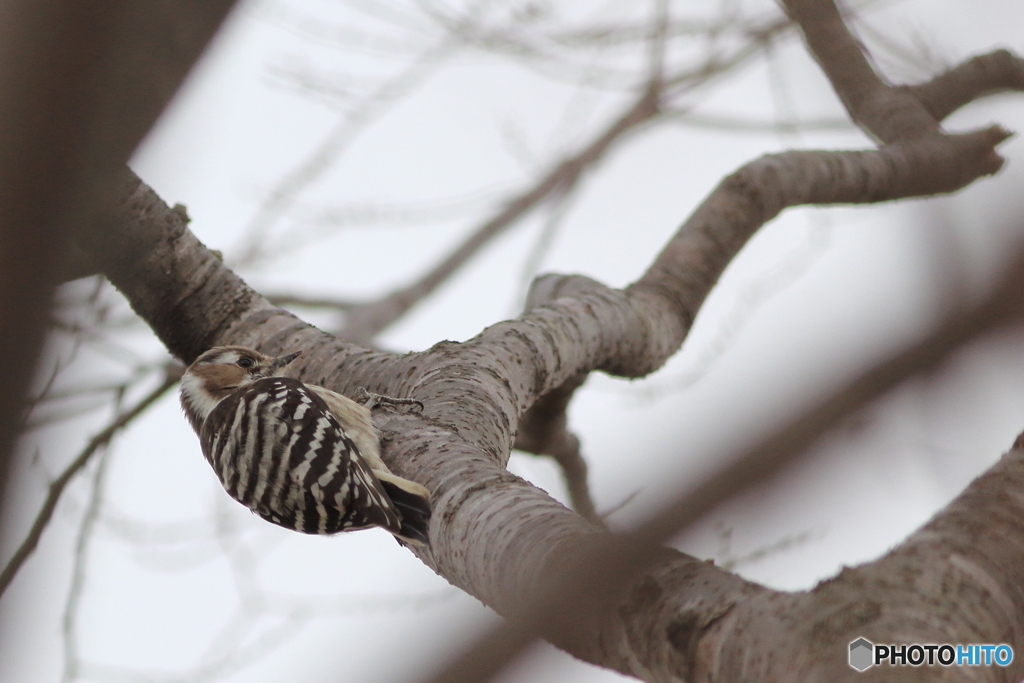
(665, 616)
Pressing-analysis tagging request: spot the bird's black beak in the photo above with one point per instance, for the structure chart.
(282, 361)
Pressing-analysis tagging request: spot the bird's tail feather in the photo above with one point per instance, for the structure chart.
(412, 501)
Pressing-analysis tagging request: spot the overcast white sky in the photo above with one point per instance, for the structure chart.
(182, 584)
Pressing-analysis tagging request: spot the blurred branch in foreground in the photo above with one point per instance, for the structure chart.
(80, 85)
(590, 588)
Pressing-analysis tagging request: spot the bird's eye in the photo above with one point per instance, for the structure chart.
(244, 362)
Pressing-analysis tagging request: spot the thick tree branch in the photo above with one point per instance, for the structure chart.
(891, 113)
(988, 74)
(690, 264)
(886, 113)
(599, 582)
(687, 268)
(494, 535)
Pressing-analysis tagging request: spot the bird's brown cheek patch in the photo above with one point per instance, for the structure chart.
(220, 380)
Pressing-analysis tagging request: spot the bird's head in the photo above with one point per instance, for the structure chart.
(217, 373)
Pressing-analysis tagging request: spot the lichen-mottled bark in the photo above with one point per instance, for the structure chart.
(671, 617)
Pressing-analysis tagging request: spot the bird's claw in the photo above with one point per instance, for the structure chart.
(373, 401)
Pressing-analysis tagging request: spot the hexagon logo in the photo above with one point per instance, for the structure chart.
(862, 654)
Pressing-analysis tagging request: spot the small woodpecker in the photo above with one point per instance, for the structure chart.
(297, 455)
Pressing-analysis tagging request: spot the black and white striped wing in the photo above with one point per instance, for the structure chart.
(279, 451)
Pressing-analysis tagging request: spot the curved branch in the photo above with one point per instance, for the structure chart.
(691, 263)
(884, 112)
(987, 74)
(493, 534)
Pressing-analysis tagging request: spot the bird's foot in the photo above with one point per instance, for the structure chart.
(374, 401)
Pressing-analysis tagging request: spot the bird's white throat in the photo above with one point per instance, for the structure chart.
(196, 398)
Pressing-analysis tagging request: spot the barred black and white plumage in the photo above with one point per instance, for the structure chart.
(297, 455)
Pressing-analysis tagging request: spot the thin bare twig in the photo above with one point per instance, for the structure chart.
(57, 486)
(286, 300)
(725, 559)
(78, 575)
(726, 122)
(367, 320)
(559, 208)
(286, 191)
(660, 17)
(82, 84)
